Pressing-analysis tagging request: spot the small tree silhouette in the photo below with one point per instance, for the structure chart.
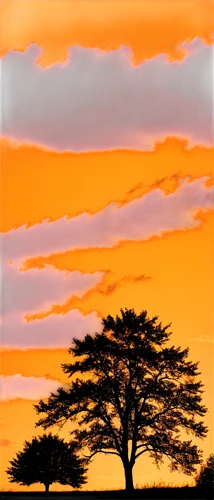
(46, 460)
(205, 477)
(136, 396)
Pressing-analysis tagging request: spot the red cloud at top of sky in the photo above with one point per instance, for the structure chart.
(154, 213)
(27, 292)
(100, 101)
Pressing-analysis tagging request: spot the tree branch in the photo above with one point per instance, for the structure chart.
(101, 451)
(141, 452)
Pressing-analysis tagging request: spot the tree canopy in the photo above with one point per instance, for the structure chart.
(205, 477)
(46, 460)
(131, 393)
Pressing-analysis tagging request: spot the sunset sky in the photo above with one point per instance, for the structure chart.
(107, 193)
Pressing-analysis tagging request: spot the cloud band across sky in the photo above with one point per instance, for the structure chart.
(35, 289)
(152, 214)
(33, 388)
(100, 101)
(53, 332)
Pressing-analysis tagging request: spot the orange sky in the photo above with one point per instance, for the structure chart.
(170, 275)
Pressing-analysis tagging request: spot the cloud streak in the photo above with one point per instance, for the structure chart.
(31, 388)
(109, 288)
(207, 339)
(152, 214)
(100, 101)
(53, 332)
(35, 289)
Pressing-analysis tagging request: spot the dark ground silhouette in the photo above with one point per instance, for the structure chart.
(168, 493)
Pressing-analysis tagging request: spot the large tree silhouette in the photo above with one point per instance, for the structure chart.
(136, 395)
(46, 460)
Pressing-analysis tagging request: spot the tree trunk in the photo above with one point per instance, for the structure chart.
(129, 479)
(47, 488)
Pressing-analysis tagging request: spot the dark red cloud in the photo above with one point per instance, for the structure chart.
(34, 289)
(5, 442)
(127, 280)
(54, 330)
(21, 386)
(150, 214)
(98, 101)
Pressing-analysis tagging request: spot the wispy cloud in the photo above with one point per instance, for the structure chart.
(207, 339)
